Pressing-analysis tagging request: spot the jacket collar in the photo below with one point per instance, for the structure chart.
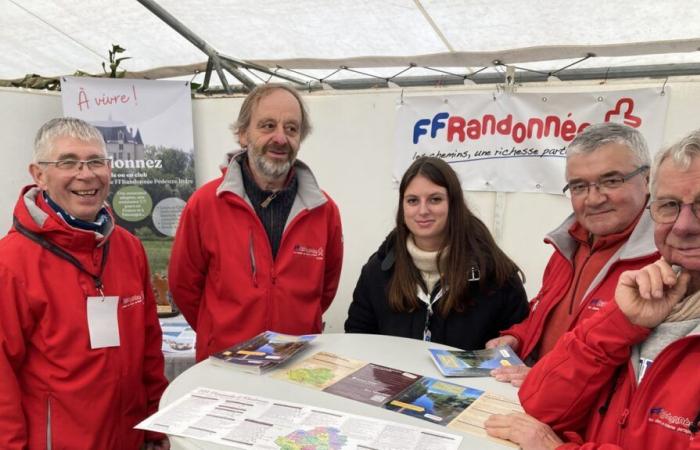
(309, 194)
(35, 215)
(639, 244)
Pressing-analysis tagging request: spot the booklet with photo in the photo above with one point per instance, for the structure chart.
(262, 352)
(178, 337)
(373, 384)
(472, 419)
(434, 400)
(473, 363)
(320, 370)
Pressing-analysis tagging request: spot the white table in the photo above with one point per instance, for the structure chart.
(399, 353)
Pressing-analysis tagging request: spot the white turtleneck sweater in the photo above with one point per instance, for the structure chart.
(426, 262)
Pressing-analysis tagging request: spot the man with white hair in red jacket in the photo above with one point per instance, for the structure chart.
(627, 378)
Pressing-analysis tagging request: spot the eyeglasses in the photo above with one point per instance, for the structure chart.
(603, 184)
(77, 164)
(667, 211)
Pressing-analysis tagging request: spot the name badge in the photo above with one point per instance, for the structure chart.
(103, 323)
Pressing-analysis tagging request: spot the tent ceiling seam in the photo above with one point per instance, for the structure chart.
(58, 30)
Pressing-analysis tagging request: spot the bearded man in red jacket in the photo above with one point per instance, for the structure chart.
(80, 357)
(627, 378)
(261, 247)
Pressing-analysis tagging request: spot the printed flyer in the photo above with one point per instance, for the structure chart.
(248, 421)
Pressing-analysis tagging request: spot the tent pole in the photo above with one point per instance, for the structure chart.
(220, 62)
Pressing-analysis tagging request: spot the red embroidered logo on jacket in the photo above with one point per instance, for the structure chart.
(596, 304)
(668, 420)
(128, 302)
(303, 250)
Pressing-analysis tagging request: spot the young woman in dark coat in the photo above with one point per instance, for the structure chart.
(439, 276)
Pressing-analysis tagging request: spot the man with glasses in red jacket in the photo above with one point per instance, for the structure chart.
(607, 173)
(80, 344)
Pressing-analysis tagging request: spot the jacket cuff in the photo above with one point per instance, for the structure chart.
(612, 326)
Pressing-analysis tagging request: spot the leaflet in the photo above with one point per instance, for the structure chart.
(373, 384)
(248, 421)
(178, 337)
(473, 363)
(320, 370)
(434, 400)
(472, 419)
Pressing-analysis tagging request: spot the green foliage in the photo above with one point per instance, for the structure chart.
(176, 164)
(114, 62)
(145, 233)
(158, 252)
(33, 81)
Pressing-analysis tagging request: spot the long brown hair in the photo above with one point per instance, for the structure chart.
(468, 243)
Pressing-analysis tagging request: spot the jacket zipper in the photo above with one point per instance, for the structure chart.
(251, 251)
(48, 423)
(622, 420)
(578, 279)
(632, 400)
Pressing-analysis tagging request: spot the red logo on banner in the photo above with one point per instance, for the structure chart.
(627, 117)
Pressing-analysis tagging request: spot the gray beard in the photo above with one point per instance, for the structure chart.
(270, 169)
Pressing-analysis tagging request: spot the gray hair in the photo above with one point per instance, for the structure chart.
(599, 134)
(254, 97)
(681, 153)
(64, 127)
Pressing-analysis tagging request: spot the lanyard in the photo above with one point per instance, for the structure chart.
(58, 251)
(434, 297)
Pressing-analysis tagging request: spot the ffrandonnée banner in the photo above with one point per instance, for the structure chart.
(516, 142)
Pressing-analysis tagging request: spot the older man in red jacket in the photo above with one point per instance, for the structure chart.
(261, 247)
(607, 173)
(80, 357)
(627, 378)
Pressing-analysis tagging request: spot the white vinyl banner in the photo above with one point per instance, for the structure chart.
(147, 128)
(516, 142)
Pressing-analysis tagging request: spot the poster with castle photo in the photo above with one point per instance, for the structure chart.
(147, 126)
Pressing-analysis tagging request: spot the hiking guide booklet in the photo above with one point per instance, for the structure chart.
(262, 352)
(473, 363)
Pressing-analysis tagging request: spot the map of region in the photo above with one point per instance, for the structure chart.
(319, 438)
(315, 377)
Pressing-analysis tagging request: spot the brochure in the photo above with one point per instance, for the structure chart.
(473, 363)
(373, 384)
(472, 419)
(434, 400)
(320, 370)
(249, 421)
(262, 352)
(178, 337)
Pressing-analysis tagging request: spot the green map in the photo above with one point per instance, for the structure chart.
(314, 377)
(320, 438)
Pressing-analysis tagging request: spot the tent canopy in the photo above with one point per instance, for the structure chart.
(337, 41)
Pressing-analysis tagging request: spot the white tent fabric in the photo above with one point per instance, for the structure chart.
(57, 37)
